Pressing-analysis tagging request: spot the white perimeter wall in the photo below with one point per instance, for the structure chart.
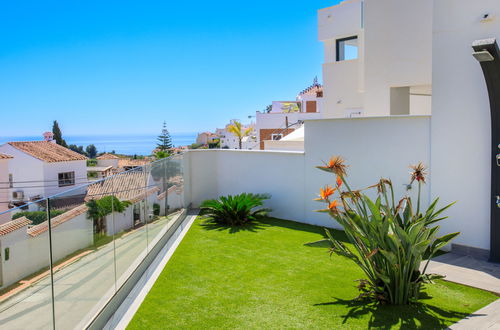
(461, 117)
(370, 145)
(30, 254)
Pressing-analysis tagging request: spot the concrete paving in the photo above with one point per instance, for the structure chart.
(82, 287)
(467, 270)
(475, 273)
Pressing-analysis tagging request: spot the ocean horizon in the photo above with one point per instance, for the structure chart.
(141, 144)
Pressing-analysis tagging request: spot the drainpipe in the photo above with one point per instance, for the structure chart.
(486, 52)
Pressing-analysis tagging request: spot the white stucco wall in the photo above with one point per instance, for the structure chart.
(107, 162)
(461, 117)
(397, 49)
(25, 168)
(51, 174)
(30, 254)
(394, 50)
(118, 222)
(368, 144)
(4, 190)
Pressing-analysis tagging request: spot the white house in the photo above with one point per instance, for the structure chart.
(40, 169)
(287, 116)
(4, 187)
(230, 141)
(206, 138)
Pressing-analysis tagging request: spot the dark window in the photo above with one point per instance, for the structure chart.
(7, 254)
(11, 181)
(276, 137)
(347, 48)
(66, 179)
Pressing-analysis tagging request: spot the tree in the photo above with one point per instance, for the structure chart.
(91, 151)
(239, 131)
(164, 140)
(58, 134)
(78, 149)
(161, 154)
(269, 108)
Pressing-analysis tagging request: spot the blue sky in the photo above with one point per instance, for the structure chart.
(122, 67)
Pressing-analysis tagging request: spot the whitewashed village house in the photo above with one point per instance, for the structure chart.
(40, 169)
(230, 141)
(4, 187)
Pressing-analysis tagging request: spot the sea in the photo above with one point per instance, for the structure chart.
(142, 145)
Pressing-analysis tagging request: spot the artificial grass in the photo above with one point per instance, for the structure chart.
(264, 276)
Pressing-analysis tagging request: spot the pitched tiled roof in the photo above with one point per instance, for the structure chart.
(5, 156)
(127, 162)
(13, 225)
(56, 221)
(47, 151)
(126, 186)
(312, 90)
(108, 156)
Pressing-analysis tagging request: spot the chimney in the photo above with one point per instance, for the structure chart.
(49, 137)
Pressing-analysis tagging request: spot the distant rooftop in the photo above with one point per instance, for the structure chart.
(49, 152)
(107, 156)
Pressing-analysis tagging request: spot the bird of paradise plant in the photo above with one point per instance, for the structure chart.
(389, 240)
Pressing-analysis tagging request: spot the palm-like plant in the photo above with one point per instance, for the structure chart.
(235, 210)
(237, 129)
(390, 239)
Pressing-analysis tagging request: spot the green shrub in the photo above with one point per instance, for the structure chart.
(156, 209)
(37, 216)
(99, 208)
(390, 239)
(234, 210)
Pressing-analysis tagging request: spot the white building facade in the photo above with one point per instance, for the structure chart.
(41, 169)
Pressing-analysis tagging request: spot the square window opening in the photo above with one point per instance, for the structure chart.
(347, 48)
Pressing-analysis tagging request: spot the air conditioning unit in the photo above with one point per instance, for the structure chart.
(18, 195)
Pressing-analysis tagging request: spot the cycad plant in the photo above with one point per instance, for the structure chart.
(235, 210)
(389, 239)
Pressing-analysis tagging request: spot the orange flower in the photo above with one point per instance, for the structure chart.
(335, 165)
(333, 206)
(339, 181)
(326, 192)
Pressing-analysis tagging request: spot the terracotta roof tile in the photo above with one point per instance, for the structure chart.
(13, 225)
(312, 90)
(108, 156)
(56, 221)
(47, 151)
(127, 162)
(5, 156)
(126, 186)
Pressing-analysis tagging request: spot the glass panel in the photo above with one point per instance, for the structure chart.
(83, 253)
(166, 179)
(129, 222)
(25, 281)
(347, 49)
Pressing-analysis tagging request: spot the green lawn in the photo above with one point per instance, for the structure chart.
(263, 276)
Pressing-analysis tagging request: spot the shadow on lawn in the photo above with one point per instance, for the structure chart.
(251, 227)
(417, 316)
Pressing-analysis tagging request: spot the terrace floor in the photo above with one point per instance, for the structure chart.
(265, 276)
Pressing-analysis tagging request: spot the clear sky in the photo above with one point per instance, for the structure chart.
(122, 67)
